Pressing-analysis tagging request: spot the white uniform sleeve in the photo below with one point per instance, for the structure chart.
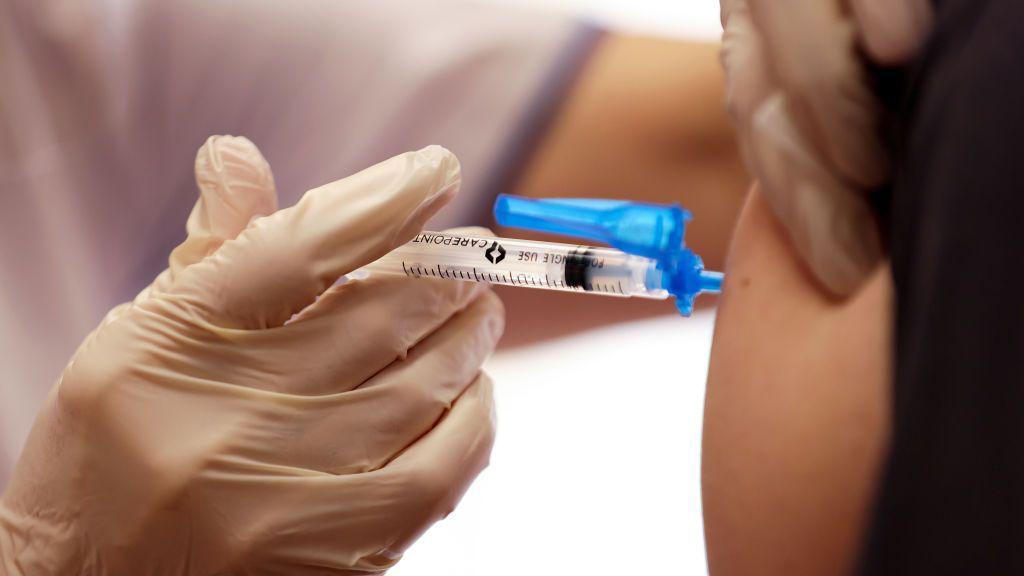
(327, 87)
(105, 103)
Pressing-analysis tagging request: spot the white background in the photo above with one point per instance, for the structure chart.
(596, 467)
(596, 470)
(675, 18)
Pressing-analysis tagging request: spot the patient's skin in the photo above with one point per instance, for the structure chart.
(796, 417)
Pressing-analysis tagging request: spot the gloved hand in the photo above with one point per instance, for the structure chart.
(808, 119)
(243, 415)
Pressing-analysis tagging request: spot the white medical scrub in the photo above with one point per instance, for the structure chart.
(103, 105)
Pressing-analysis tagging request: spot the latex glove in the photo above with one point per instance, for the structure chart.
(808, 119)
(198, 430)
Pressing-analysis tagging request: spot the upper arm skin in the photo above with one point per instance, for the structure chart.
(796, 415)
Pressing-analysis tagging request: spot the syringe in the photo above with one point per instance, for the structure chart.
(648, 258)
(529, 264)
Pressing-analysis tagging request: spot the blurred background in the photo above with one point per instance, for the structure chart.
(596, 468)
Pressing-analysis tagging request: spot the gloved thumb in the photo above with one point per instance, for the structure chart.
(235, 186)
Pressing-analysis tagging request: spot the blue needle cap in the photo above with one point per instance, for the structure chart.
(654, 231)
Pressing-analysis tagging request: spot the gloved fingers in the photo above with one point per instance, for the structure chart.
(741, 55)
(892, 31)
(812, 49)
(747, 80)
(356, 329)
(362, 430)
(726, 9)
(281, 263)
(235, 186)
(831, 225)
(442, 465)
(377, 514)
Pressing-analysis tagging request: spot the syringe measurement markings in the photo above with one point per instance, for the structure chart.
(508, 279)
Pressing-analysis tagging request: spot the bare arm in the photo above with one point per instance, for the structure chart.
(796, 418)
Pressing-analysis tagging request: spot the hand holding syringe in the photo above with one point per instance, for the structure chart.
(655, 264)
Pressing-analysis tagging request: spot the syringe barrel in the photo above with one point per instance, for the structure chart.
(524, 263)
